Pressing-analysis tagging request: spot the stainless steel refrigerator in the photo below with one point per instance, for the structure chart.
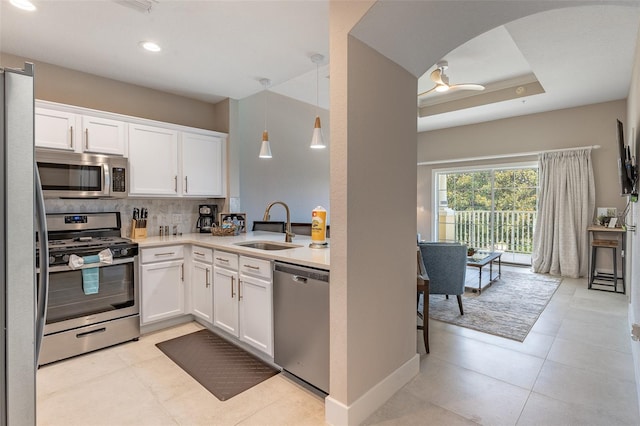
(21, 215)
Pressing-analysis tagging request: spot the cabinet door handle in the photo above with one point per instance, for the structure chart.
(71, 134)
(208, 283)
(182, 272)
(86, 138)
(186, 184)
(239, 289)
(175, 184)
(232, 293)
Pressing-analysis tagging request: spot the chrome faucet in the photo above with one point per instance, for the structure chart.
(287, 232)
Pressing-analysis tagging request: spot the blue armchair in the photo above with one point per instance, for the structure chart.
(446, 265)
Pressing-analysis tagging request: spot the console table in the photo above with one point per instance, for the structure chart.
(612, 238)
(480, 262)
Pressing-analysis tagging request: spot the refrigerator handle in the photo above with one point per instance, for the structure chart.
(43, 278)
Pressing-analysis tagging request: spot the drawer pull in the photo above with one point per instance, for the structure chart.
(87, 333)
(221, 259)
(198, 253)
(165, 254)
(252, 267)
(232, 293)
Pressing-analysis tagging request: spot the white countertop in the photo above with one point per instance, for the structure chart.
(303, 255)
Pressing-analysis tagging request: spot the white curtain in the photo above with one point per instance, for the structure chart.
(566, 203)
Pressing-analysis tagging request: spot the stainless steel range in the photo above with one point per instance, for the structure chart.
(93, 302)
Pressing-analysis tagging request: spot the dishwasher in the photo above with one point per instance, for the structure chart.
(301, 322)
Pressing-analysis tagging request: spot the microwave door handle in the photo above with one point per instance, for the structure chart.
(107, 180)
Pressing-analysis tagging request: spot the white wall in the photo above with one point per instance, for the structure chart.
(373, 260)
(296, 174)
(632, 135)
(567, 128)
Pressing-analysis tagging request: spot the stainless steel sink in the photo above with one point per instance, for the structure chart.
(267, 245)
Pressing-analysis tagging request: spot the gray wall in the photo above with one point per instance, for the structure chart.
(296, 174)
(567, 128)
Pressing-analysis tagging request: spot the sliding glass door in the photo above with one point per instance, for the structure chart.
(490, 209)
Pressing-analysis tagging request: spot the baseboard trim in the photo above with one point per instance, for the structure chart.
(338, 414)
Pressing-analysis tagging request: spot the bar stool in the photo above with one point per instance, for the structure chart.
(602, 276)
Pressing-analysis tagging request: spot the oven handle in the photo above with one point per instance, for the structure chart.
(42, 290)
(62, 268)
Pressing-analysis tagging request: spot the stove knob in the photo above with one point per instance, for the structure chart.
(65, 258)
(51, 260)
(124, 251)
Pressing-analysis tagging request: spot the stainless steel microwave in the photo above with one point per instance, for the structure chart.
(76, 175)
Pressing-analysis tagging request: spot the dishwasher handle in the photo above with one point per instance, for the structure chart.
(299, 279)
(302, 273)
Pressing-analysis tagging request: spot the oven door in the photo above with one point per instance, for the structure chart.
(69, 307)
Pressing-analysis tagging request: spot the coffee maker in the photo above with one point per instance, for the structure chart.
(207, 219)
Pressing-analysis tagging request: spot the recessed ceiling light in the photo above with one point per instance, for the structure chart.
(150, 46)
(24, 5)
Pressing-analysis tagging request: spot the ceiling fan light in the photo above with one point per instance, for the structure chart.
(265, 148)
(24, 5)
(150, 46)
(317, 140)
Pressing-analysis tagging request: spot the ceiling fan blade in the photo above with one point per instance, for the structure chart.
(466, 86)
(428, 91)
(436, 76)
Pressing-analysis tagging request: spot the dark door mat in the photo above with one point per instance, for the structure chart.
(221, 367)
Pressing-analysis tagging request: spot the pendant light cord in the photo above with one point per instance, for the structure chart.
(265, 106)
(317, 87)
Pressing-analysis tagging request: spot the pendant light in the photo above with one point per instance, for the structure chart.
(265, 148)
(317, 140)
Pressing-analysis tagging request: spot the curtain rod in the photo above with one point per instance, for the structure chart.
(514, 155)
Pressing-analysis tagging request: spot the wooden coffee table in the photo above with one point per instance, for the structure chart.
(480, 260)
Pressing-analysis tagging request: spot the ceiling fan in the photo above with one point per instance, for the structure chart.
(442, 81)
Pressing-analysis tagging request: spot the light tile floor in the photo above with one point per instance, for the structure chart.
(575, 367)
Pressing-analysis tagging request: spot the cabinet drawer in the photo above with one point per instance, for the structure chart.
(158, 254)
(255, 267)
(226, 260)
(202, 254)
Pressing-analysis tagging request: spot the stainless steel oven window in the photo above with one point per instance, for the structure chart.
(67, 300)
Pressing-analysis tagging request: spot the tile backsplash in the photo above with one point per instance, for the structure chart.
(161, 211)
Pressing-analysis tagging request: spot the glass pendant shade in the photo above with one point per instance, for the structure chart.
(265, 148)
(317, 140)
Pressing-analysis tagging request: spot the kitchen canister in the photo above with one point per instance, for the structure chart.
(319, 228)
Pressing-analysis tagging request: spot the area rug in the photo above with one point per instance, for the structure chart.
(508, 308)
(221, 367)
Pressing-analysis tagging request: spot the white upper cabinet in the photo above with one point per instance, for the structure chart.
(79, 133)
(171, 163)
(165, 160)
(55, 129)
(202, 165)
(153, 160)
(103, 136)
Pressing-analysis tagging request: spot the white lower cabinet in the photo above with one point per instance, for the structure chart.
(225, 292)
(242, 298)
(201, 283)
(162, 283)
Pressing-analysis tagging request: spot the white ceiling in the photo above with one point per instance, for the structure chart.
(218, 49)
